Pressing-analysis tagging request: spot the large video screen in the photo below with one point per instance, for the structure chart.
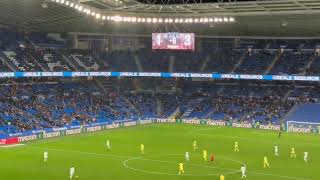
(177, 41)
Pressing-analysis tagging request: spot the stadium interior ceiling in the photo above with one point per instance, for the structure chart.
(281, 18)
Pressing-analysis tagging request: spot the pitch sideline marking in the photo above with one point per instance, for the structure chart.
(121, 156)
(11, 146)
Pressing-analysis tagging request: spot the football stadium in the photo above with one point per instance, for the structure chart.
(159, 89)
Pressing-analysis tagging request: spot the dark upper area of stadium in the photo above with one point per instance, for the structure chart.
(190, 1)
(259, 18)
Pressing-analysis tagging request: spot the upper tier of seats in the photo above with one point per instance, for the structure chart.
(261, 62)
(18, 53)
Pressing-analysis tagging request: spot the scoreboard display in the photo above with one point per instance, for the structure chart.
(176, 41)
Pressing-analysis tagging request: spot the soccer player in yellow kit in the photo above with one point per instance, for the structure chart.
(293, 153)
(142, 148)
(221, 177)
(205, 155)
(265, 162)
(194, 145)
(236, 146)
(181, 171)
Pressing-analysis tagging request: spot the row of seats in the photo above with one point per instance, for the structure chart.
(42, 105)
(218, 61)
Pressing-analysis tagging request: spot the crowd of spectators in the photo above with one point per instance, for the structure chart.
(35, 105)
(25, 106)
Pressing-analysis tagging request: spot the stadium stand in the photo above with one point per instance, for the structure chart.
(51, 60)
(38, 104)
(305, 112)
(43, 105)
(256, 57)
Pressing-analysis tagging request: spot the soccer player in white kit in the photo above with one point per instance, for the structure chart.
(72, 170)
(45, 156)
(276, 151)
(243, 171)
(305, 157)
(187, 157)
(108, 145)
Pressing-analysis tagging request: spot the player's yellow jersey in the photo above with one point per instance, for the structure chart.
(180, 166)
(221, 177)
(292, 150)
(204, 152)
(141, 147)
(265, 159)
(194, 145)
(236, 144)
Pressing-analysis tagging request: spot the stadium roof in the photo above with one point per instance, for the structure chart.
(267, 18)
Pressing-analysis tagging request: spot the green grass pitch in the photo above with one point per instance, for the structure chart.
(165, 145)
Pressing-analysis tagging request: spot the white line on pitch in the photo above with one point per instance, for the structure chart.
(122, 156)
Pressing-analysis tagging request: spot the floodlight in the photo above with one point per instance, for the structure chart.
(154, 20)
(117, 18)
